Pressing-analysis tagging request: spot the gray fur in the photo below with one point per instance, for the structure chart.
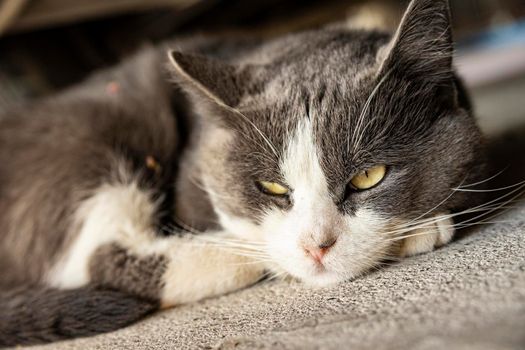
(419, 122)
(56, 152)
(121, 270)
(33, 314)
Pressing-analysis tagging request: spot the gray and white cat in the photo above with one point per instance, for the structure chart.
(317, 155)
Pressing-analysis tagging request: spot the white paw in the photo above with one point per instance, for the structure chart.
(425, 239)
(199, 269)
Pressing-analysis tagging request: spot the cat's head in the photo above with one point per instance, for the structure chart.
(324, 145)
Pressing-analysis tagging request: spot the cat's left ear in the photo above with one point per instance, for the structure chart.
(422, 46)
(215, 87)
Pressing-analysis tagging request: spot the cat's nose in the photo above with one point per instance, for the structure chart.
(317, 252)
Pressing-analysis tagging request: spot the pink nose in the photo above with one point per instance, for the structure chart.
(318, 252)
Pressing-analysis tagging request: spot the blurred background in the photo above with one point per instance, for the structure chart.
(46, 45)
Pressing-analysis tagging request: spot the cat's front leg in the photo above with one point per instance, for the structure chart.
(116, 247)
(174, 270)
(433, 233)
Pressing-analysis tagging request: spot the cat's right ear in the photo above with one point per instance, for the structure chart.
(214, 87)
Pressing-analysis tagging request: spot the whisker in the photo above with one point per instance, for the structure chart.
(254, 262)
(463, 224)
(481, 207)
(492, 189)
(459, 225)
(419, 233)
(230, 241)
(264, 137)
(486, 180)
(461, 187)
(360, 120)
(436, 206)
(274, 276)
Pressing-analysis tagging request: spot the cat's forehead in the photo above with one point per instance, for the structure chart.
(328, 102)
(333, 63)
(346, 128)
(331, 83)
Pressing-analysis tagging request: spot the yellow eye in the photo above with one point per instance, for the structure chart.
(369, 178)
(273, 188)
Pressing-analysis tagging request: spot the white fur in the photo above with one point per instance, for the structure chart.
(363, 238)
(114, 213)
(198, 270)
(239, 227)
(425, 239)
(122, 213)
(314, 217)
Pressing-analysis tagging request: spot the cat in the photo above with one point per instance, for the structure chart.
(199, 167)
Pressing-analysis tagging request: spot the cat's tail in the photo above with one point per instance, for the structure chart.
(39, 315)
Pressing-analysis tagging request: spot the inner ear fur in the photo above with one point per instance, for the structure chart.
(206, 78)
(215, 87)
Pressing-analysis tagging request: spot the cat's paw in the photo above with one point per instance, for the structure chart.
(426, 239)
(199, 269)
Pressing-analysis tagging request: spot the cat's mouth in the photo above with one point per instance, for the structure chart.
(321, 270)
(319, 267)
(322, 277)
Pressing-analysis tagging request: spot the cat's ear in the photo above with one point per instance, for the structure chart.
(215, 87)
(422, 46)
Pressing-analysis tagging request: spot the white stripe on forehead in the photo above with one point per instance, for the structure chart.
(300, 165)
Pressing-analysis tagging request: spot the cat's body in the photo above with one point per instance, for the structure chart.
(90, 179)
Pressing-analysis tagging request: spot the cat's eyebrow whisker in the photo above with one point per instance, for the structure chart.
(264, 155)
(249, 136)
(357, 131)
(245, 118)
(361, 135)
(264, 137)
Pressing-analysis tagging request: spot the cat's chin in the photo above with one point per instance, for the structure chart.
(312, 276)
(321, 278)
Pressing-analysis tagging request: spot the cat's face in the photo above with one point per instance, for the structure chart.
(341, 141)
